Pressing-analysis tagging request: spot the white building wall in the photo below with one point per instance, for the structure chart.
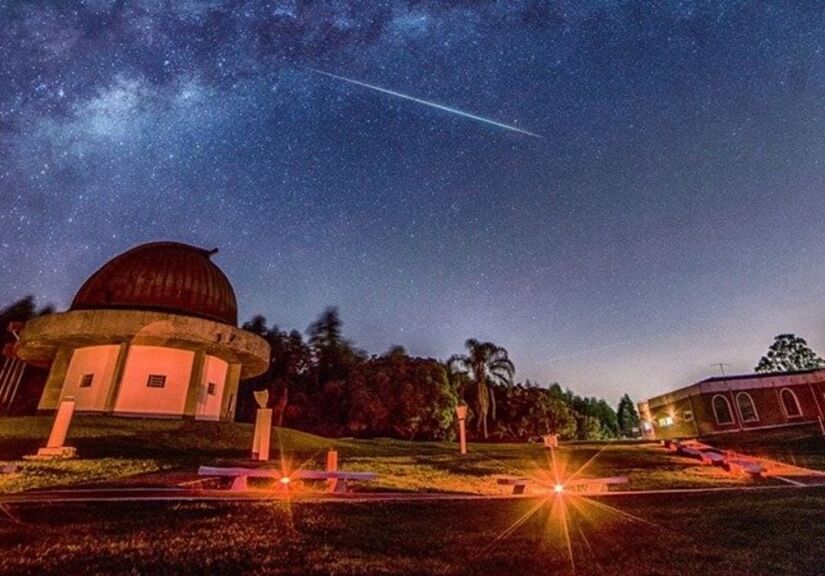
(209, 405)
(97, 361)
(136, 397)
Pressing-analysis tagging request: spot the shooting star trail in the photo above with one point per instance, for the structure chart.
(589, 351)
(428, 103)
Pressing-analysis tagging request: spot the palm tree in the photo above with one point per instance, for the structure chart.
(486, 365)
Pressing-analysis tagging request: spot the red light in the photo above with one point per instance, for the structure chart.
(558, 488)
(284, 480)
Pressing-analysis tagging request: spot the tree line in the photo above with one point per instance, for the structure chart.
(327, 385)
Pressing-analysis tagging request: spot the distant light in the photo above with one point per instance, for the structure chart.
(284, 480)
(558, 488)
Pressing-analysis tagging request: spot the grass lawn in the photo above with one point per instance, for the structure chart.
(152, 451)
(753, 533)
(750, 532)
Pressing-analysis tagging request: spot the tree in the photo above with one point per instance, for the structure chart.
(789, 353)
(527, 411)
(627, 416)
(595, 418)
(400, 397)
(22, 310)
(487, 365)
(334, 356)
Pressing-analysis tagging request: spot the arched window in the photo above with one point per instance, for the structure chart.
(790, 403)
(746, 407)
(721, 409)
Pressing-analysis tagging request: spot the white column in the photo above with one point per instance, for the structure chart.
(54, 447)
(263, 430)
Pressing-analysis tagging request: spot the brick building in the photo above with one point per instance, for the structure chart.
(735, 403)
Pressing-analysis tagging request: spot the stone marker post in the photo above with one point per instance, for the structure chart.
(332, 466)
(54, 446)
(461, 412)
(263, 427)
(551, 441)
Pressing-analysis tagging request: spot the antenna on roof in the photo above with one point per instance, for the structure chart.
(721, 367)
(212, 252)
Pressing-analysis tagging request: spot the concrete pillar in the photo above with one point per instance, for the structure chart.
(332, 466)
(461, 412)
(262, 434)
(54, 446)
(57, 377)
(190, 407)
(230, 392)
(117, 377)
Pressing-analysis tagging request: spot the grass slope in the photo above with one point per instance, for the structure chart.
(117, 448)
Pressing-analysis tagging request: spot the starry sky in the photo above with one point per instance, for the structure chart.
(671, 215)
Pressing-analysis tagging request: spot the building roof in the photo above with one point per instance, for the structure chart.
(162, 276)
(757, 375)
(740, 382)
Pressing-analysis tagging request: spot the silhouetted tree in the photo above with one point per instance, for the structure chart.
(789, 353)
(333, 355)
(22, 310)
(334, 358)
(486, 365)
(627, 416)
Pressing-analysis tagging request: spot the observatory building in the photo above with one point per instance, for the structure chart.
(151, 333)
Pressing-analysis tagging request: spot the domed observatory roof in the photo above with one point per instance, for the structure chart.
(165, 277)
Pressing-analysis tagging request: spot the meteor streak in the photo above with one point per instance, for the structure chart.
(428, 103)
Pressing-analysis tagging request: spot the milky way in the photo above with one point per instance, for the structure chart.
(671, 217)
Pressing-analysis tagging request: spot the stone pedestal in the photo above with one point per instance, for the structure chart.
(58, 453)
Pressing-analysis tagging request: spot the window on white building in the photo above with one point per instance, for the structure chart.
(210, 388)
(86, 380)
(156, 381)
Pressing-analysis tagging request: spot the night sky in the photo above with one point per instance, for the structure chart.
(671, 215)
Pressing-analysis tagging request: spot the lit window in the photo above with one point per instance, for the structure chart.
(210, 388)
(86, 380)
(666, 421)
(790, 403)
(156, 381)
(721, 410)
(687, 416)
(747, 409)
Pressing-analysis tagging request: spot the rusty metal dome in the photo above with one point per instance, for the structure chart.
(161, 276)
